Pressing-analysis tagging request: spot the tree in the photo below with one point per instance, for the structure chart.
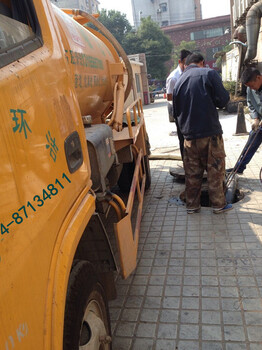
(157, 46)
(116, 22)
(184, 45)
(220, 54)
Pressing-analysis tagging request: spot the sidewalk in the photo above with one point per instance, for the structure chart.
(198, 282)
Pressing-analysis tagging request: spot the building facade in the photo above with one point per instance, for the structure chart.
(210, 35)
(166, 12)
(90, 6)
(235, 58)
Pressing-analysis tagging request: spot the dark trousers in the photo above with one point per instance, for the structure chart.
(252, 150)
(179, 134)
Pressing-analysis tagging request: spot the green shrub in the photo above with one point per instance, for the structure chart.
(230, 86)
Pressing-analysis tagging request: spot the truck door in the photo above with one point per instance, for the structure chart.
(43, 164)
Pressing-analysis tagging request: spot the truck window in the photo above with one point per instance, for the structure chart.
(19, 30)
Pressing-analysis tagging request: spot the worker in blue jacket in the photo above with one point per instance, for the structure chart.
(252, 78)
(195, 97)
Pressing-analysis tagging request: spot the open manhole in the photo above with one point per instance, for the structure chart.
(233, 193)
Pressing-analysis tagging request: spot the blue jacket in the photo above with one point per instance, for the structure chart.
(254, 102)
(195, 97)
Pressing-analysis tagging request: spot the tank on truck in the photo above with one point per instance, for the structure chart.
(130, 144)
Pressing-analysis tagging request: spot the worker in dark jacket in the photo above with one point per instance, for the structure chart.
(195, 97)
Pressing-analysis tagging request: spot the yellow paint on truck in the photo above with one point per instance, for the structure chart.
(53, 72)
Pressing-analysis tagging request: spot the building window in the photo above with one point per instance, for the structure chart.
(138, 86)
(163, 7)
(208, 33)
(164, 23)
(211, 51)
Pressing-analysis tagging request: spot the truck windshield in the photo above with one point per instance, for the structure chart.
(12, 32)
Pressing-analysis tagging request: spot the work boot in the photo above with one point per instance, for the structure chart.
(227, 207)
(193, 211)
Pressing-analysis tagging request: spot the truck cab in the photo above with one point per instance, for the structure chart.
(64, 145)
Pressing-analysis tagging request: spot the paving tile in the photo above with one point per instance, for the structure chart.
(146, 330)
(253, 318)
(130, 314)
(188, 345)
(190, 303)
(189, 331)
(211, 317)
(231, 304)
(114, 313)
(152, 302)
(255, 346)
(167, 331)
(122, 343)
(137, 290)
(236, 346)
(189, 316)
(154, 290)
(254, 333)
(169, 316)
(171, 302)
(209, 281)
(249, 292)
(211, 332)
(210, 303)
(191, 280)
(125, 329)
(142, 344)
(191, 291)
(210, 291)
(134, 301)
(140, 280)
(229, 292)
(149, 315)
(232, 318)
(165, 345)
(211, 346)
(234, 333)
(253, 304)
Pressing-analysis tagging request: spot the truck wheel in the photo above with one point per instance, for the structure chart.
(86, 323)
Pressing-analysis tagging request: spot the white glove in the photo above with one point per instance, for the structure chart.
(255, 124)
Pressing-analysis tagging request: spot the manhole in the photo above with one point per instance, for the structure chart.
(233, 193)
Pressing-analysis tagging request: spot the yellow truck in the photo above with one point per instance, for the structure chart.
(66, 142)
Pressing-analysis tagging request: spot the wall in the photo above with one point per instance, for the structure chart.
(229, 65)
(207, 45)
(177, 11)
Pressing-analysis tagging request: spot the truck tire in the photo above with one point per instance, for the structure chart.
(86, 322)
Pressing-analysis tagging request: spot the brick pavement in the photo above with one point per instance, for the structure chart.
(198, 282)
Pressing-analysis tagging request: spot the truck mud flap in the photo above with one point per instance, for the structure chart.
(127, 240)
